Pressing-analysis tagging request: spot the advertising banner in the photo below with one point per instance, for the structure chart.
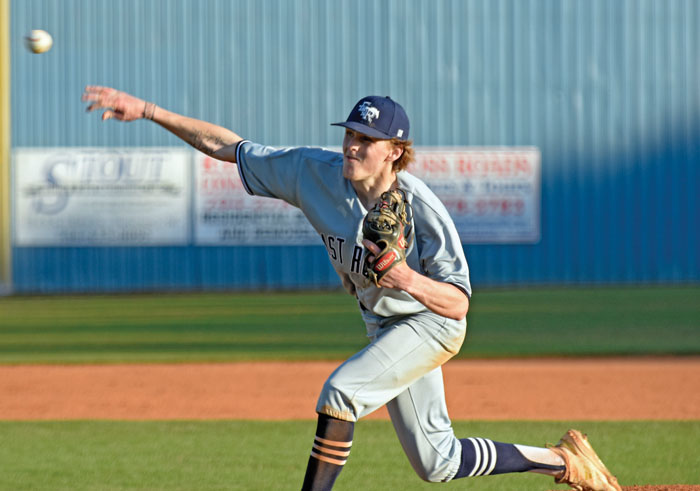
(225, 214)
(101, 197)
(141, 196)
(492, 194)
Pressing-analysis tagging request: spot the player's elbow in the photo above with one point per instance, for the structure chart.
(460, 309)
(225, 150)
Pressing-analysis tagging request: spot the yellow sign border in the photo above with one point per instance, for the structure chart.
(5, 151)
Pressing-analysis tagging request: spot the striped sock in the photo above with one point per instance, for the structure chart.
(329, 453)
(479, 457)
(483, 457)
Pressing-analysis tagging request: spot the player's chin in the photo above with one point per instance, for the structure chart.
(350, 170)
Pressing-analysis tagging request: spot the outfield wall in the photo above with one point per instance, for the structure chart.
(606, 91)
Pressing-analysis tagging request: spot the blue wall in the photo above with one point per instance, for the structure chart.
(608, 91)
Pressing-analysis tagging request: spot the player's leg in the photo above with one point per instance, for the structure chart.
(395, 359)
(399, 355)
(419, 415)
(420, 419)
(484, 457)
(573, 461)
(329, 453)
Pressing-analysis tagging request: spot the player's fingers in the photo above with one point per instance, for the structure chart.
(102, 96)
(99, 90)
(107, 115)
(89, 96)
(373, 248)
(96, 96)
(94, 91)
(93, 107)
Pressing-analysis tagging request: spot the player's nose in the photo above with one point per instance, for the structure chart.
(350, 149)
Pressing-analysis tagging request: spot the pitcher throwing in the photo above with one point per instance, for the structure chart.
(411, 284)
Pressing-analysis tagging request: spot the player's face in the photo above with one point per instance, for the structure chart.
(366, 158)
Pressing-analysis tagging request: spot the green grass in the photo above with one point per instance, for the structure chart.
(288, 326)
(243, 455)
(581, 321)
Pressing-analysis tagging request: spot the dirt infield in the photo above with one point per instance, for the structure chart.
(597, 389)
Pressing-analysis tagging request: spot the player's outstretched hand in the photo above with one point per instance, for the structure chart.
(118, 105)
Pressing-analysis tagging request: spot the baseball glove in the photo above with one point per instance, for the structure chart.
(389, 225)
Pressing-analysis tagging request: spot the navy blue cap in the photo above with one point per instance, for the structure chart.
(378, 117)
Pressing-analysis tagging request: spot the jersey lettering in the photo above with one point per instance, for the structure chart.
(340, 241)
(334, 246)
(356, 266)
(331, 249)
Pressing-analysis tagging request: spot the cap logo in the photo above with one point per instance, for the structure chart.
(368, 112)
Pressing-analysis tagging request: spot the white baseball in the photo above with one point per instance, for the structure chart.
(39, 41)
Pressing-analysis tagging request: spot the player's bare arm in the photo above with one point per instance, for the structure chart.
(213, 140)
(442, 298)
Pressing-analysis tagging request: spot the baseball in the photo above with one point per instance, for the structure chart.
(39, 41)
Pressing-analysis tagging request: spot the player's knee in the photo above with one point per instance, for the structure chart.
(431, 466)
(334, 402)
(423, 475)
(429, 474)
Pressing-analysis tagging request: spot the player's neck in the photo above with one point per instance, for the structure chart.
(369, 190)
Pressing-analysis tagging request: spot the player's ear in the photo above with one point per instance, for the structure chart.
(395, 153)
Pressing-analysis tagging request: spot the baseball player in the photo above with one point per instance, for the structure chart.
(411, 283)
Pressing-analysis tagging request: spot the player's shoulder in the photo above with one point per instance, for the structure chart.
(307, 154)
(323, 156)
(420, 195)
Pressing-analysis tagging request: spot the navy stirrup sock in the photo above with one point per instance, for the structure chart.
(329, 453)
(483, 457)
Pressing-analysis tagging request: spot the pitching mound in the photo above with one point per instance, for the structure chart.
(671, 487)
(663, 487)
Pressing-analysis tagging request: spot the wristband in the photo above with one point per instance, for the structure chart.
(149, 110)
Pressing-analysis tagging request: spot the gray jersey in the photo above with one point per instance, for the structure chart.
(311, 179)
(400, 367)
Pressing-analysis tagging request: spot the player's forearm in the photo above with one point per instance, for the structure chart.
(442, 298)
(213, 140)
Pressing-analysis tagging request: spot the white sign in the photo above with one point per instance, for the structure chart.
(101, 197)
(492, 194)
(227, 215)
